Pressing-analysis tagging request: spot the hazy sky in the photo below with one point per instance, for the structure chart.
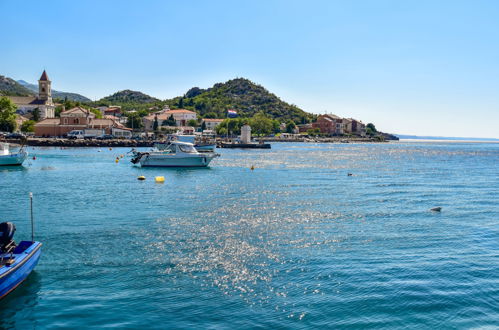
(410, 67)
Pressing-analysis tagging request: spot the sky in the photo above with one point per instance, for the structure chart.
(410, 67)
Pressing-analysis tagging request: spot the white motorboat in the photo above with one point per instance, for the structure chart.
(176, 154)
(11, 159)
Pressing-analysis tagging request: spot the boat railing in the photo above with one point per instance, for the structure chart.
(5, 258)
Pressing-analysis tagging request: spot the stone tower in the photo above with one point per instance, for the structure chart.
(45, 88)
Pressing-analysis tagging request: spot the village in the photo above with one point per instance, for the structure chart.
(111, 122)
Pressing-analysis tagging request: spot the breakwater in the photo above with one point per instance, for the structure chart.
(48, 142)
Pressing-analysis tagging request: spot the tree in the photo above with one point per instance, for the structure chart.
(261, 124)
(203, 126)
(134, 120)
(96, 112)
(28, 126)
(371, 129)
(155, 124)
(169, 122)
(36, 114)
(7, 115)
(290, 126)
(192, 122)
(181, 103)
(313, 131)
(210, 115)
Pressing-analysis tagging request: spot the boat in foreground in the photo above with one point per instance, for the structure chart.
(175, 154)
(11, 159)
(16, 261)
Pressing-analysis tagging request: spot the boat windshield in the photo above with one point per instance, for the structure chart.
(187, 148)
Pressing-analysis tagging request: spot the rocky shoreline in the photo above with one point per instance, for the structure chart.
(49, 142)
(59, 142)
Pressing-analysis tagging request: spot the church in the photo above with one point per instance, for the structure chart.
(44, 103)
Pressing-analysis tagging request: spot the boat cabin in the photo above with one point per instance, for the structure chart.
(180, 147)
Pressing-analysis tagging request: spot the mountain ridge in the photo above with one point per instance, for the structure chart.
(10, 87)
(129, 96)
(55, 93)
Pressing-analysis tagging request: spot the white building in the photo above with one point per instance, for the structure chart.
(211, 123)
(42, 102)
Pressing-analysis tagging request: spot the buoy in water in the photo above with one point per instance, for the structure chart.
(436, 209)
(252, 167)
(141, 178)
(110, 148)
(34, 157)
(159, 179)
(349, 174)
(117, 160)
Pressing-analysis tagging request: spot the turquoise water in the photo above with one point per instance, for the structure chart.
(296, 243)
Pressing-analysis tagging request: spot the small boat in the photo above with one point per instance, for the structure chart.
(11, 159)
(175, 154)
(16, 260)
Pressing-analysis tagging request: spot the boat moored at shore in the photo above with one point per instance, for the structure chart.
(11, 159)
(16, 261)
(175, 154)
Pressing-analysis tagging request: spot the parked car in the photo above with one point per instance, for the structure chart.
(105, 137)
(90, 133)
(15, 135)
(75, 134)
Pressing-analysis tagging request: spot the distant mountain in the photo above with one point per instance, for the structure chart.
(10, 87)
(417, 137)
(241, 95)
(56, 94)
(128, 96)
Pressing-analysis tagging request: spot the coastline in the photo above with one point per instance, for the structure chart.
(61, 142)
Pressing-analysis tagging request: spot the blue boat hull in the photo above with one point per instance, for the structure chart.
(26, 256)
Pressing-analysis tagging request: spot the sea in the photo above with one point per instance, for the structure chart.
(314, 236)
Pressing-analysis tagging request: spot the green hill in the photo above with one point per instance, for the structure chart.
(10, 87)
(128, 96)
(242, 95)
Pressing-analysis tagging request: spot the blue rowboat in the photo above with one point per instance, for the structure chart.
(16, 261)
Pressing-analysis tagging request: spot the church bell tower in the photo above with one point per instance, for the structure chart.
(44, 88)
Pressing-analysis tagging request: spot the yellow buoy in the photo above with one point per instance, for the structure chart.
(117, 160)
(159, 179)
(110, 148)
(141, 178)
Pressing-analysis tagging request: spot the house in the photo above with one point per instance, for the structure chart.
(181, 117)
(19, 121)
(76, 119)
(113, 110)
(329, 124)
(211, 123)
(353, 126)
(42, 102)
(303, 128)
